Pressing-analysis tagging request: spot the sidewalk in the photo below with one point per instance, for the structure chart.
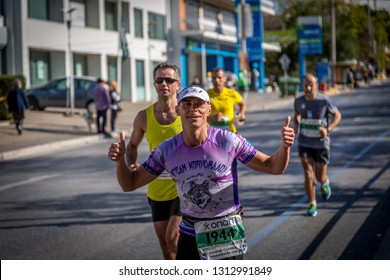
(54, 129)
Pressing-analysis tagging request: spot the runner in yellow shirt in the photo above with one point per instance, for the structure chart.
(160, 122)
(223, 101)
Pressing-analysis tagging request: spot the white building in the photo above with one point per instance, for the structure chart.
(35, 39)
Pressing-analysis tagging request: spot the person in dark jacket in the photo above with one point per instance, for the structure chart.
(17, 103)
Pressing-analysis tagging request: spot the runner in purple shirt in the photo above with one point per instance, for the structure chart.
(202, 160)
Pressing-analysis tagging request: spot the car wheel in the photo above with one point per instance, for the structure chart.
(34, 105)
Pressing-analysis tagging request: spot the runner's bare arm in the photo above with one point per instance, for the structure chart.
(139, 129)
(242, 111)
(297, 120)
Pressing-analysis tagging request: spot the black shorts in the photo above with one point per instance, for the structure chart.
(187, 249)
(318, 155)
(163, 210)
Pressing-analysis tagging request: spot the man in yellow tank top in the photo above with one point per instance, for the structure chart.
(223, 101)
(160, 122)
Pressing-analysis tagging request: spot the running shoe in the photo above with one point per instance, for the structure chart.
(312, 212)
(326, 191)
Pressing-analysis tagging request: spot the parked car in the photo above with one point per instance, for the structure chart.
(54, 94)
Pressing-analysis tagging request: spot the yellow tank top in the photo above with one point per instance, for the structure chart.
(224, 103)
(163, 188)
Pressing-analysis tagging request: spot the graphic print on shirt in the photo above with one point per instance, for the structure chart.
(199, 193)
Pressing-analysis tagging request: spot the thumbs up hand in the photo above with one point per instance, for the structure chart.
(287, 133)
(117, 150)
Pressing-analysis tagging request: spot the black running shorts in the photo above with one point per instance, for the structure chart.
(163, 210)
(318, 155)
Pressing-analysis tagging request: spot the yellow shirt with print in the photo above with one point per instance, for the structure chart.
(224, 102)
(163, 188)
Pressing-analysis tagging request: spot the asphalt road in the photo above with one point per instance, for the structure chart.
(68, 205)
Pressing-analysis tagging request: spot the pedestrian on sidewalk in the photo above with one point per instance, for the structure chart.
(312, 117)
(102, 100)
(223, 101)
(202, 160)
(17, 102)
(196, 81)
(242, 84)
(159, 122)
(115, 99)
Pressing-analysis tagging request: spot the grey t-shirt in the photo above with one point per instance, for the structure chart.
(314, 114)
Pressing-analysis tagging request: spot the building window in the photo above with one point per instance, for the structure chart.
(229, 17)
(140, 70)
(46, 10)
(92, 14)
(112, 68)
(3, 61)
(80, 65)
(78, 16)
(126, 16)
(210, 11)
(110, 16)
(39, 68)
(138, 24)
(192, 16)
(156, 25)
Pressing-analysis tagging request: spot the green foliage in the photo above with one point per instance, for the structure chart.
(7, 82)
(352, 36)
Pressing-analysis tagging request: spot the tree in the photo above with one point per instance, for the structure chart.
(352, 38)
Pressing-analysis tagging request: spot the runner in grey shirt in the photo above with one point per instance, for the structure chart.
(315, 116)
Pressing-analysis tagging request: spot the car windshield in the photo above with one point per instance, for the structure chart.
(58, 85)
(83, 84)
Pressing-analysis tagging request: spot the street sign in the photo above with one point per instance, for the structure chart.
(310, 35)
(284, 61)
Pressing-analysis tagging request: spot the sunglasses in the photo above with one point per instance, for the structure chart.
(168, 81)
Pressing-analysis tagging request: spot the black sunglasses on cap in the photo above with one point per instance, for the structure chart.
(168, 81)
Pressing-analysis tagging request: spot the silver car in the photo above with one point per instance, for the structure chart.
(56, 93)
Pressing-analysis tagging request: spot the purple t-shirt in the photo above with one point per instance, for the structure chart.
(206, 175)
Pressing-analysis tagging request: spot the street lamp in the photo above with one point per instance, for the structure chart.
(70, 61)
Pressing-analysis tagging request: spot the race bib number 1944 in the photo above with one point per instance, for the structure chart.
(221, 238)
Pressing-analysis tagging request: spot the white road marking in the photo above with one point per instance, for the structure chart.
(31, 180)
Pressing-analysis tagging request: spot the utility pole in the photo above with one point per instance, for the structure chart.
(118, 57)
(333, 27)
(243, 25)
(70, 61)
(370, 34)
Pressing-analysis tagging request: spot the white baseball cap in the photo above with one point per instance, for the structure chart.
(193, 91)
